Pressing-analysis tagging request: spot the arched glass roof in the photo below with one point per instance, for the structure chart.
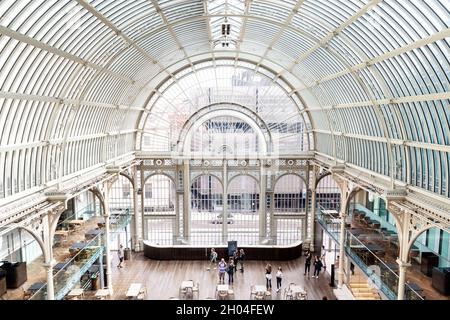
(77, 78)
(211, 85)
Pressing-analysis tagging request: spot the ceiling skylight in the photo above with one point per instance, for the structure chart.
(224, 25)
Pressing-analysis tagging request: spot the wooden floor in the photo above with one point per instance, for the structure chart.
(163, 278)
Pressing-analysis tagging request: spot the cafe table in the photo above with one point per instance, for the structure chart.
(134, 290)
(36, 286)
(75, 293)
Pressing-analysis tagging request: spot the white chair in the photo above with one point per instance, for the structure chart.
(259, 296)
(252, 291)
(142, 293)
(222, 295)
(287, 294)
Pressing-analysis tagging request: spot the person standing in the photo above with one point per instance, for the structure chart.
(236, 259)
(230, 271)
(222, 268)
(323, 258)
(120, 255)
(269, 277)
(242, 258)
(213, 257)
(279, 276)
(308, 262)
(317, 267)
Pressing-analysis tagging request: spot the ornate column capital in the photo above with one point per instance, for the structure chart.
(343, 214)
(49, 264)
(403, 264)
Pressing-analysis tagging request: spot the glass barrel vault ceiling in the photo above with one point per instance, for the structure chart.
(79, 79)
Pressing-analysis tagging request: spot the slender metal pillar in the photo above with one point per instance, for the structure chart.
(186, 202)
(136, 213)
(225, 203)
(341, 250)
(262, 205)
(143, 233)
(50, 281)
(49, 262)
(402, 278)
(107, 244)
(273, 221)
(304, 227)
(310, 233)
(101, 271)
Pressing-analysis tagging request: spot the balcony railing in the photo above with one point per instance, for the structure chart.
(69, 275)
(381, 276)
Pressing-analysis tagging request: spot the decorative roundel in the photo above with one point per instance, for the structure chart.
(269, 162)
(158, 162)
(206, 163)
(290, 162)
(243, 163)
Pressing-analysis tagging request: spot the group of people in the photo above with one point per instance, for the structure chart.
(278, 275)
(231, 267)
(318, 263)
(239, 257)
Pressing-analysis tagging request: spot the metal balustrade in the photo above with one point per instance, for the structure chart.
(386, 280)
(69, 275)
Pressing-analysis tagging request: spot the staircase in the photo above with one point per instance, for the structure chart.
(362, 291)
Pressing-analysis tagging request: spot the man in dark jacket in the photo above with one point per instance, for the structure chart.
(307, 262)
(241, 259)
(236, 258)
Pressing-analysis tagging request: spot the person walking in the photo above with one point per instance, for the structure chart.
(120, 255)
(317, 267)
(323, 258)
(279, 277)
(236, 259)
(307, 262)
(222, 268)
(213, 258)
(230, 271)
(352, 268)
(241, 259)
(269, 277)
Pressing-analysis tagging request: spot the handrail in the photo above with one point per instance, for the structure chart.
(88, 244)
(350, 237)
(92, 243)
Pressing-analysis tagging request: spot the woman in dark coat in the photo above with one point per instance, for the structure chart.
(317, 267)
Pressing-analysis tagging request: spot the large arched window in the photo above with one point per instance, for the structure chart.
(159, 209)
(159, 195)
(290, 194)
(328, 194)
(121, 195)
(243, 210)
(206, 211)
(290, 199)
(225, 136)
(223, 83)
(121, 205)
